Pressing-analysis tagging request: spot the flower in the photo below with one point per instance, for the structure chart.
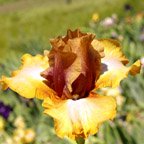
(142, 62)
(24, 136)
(9, 140)
(66, 79)
(95, 17)
(5, 110)
(19, 122)
(108, 22)
(18, 135)
(29, 135)
(2, 124)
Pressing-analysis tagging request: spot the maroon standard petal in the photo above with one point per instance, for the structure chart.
(74, 65)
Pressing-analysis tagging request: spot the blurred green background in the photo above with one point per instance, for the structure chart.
(26, 27)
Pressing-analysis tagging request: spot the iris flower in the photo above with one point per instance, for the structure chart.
(67, 78)
(5, 110)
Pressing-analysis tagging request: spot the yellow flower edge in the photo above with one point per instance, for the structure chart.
(82, 117)
(26, 80)
(113, 65)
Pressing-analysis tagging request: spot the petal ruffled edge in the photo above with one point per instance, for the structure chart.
(98, 47)
(112, 48)
(80, 118)
(26, 80)
(113, 65)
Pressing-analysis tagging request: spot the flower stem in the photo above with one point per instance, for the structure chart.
(80, 141)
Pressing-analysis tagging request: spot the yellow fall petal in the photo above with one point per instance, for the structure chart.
(113, 65)
(26, 80)
(81, 117)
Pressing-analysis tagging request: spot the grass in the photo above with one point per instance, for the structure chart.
(6, 1)
(46, 20)
(26, 27)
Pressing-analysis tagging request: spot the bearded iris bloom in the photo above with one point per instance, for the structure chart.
(67, 77)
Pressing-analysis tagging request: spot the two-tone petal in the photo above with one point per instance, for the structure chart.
(114, 67)
(27, 79)
(82, 117)
(65, 79)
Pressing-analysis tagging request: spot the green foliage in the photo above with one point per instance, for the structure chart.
(28, 31)
(6, 1)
